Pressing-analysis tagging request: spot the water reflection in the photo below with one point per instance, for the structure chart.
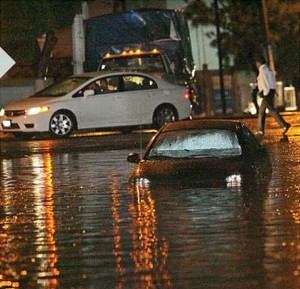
(147, 252)
(69, 220)
(150, 250)
(211, 233)
(32, 211)
(45, 222)
(283, 211)
(118, 249)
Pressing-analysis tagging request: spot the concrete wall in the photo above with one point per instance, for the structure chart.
(12, 90)
(244, 78)
(237, 91)
(10, 94)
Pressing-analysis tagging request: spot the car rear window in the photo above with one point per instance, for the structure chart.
(196, 143)
(136, 82)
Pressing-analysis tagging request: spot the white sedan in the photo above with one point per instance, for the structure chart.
(97, 100)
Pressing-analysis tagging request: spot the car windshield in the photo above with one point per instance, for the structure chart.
(195, 143)
(61, 88)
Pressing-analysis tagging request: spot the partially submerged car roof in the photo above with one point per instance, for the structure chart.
(202, 123)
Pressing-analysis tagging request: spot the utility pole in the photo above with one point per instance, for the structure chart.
(78, 39)
(220, 56)
(267, 31)
(270, 51)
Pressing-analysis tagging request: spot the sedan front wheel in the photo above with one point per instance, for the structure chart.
(61, 124)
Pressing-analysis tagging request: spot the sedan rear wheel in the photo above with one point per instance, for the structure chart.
(61, 124)
(163, 115)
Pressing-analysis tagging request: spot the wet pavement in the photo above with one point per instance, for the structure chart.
(69, 219)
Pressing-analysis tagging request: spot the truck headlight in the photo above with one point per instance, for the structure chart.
(2, 112)
(36, 110)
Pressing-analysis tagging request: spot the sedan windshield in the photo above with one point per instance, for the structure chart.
(62, 88)
(195, 144)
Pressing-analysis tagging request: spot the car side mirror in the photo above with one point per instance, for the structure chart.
(133, 158)
(88, 92)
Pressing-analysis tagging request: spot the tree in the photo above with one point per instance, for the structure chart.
(243, 34)
(23, 21)
(284, 26)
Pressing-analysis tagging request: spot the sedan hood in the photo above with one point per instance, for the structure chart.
(204, 172)
(190, 171)
(29, 102)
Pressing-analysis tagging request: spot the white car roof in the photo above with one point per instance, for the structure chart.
(104, 73)
(94, 74)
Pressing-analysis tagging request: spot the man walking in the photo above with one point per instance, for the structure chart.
(266, 88)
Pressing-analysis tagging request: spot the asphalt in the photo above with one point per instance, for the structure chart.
(293, 117)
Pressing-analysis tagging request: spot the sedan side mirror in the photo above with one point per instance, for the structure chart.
(133, 158)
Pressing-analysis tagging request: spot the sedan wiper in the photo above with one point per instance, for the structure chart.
(196, 156)
(160, 157)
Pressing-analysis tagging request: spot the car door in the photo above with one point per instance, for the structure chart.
(98, 107)
(135, 100)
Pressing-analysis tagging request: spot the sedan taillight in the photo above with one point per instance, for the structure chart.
(187, 94)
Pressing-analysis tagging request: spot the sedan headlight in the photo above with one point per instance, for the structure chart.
(36, 110)
(234, 180)
(142, 182)
(2, 112)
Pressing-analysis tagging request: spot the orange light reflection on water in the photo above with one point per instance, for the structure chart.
(38, 195)
(150, 251)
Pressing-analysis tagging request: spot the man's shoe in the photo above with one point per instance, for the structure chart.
(286, 128)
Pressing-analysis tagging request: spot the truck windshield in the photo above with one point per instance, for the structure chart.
(145, 63)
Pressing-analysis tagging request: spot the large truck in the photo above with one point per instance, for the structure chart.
(155, 41)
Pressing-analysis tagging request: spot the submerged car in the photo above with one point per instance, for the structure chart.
(97, 100)
(207, 152)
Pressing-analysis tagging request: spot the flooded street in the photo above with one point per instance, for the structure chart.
(69, 219)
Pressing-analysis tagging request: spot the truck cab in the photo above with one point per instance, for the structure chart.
(136, 60)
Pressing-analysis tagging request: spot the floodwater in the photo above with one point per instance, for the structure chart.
(70, 220)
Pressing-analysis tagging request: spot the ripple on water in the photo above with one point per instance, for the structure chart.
(70, 220)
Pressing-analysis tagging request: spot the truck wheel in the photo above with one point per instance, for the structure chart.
(163, 115)
(61, 124)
